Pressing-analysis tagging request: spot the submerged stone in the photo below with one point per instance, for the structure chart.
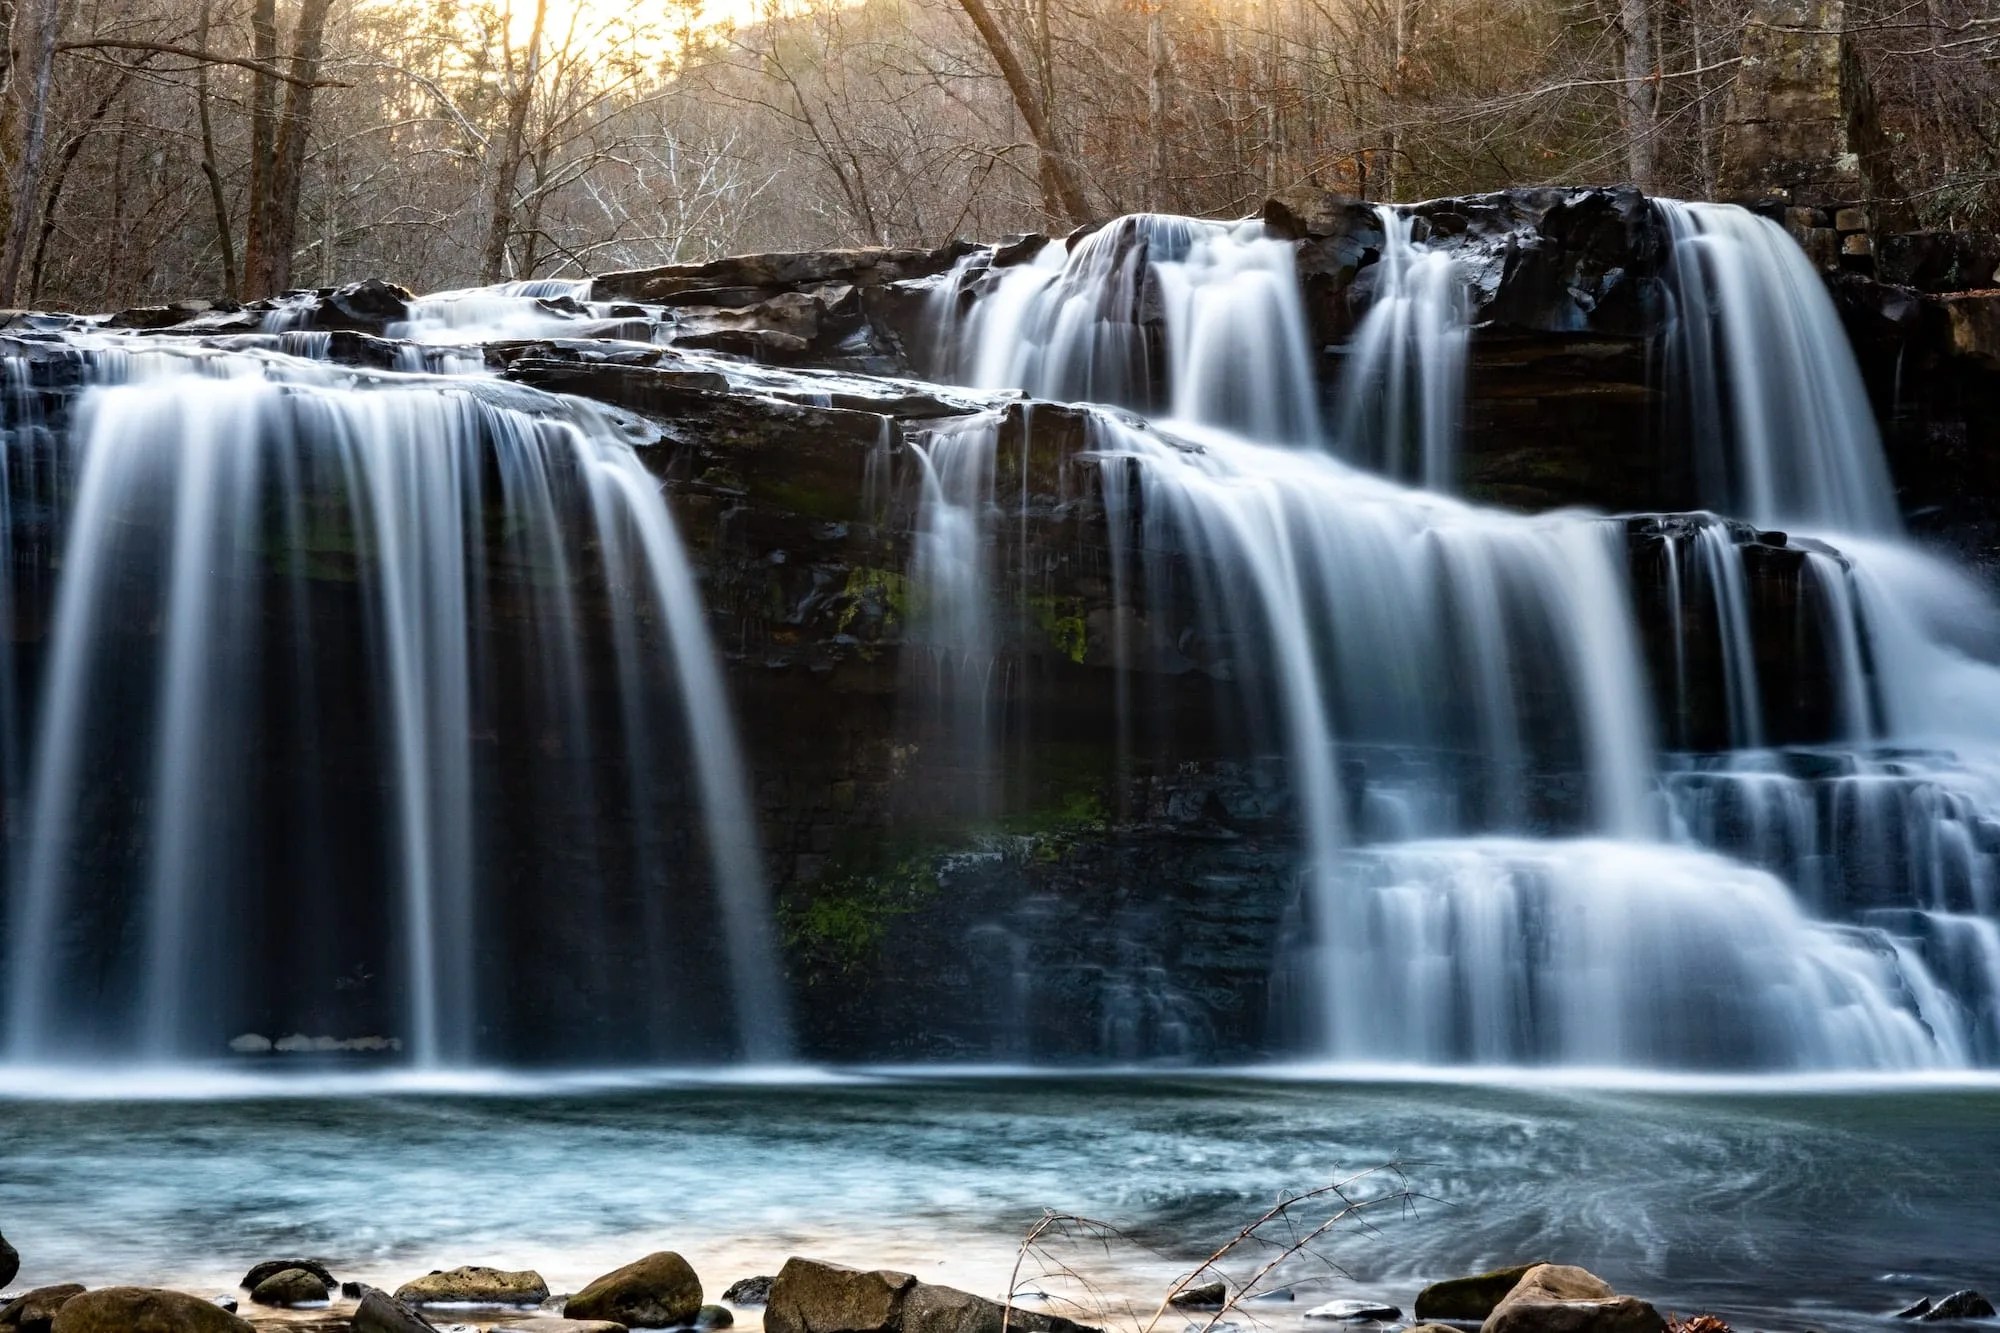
(1355, 1311)
(272, 1267)
(1960, 1305)
(749, 1291)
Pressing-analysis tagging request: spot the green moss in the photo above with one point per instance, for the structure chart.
(842, 921)
(884, 587)
(1061, 619)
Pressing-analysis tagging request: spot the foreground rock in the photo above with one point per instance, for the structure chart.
(475, 1285)
(143, 1310)
(658, 1291)
(291, 1287)
(810, 1296)
(272, 1267)
(1556, 1298)
(1958, 1305)
(1202, 1296)
(379, 1312)
(1356, 1312)
(749, 1291)
(35, 1311)
(1470, 1298)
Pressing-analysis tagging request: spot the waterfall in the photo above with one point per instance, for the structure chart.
(1499, 861)
(1783, 429)
(1211, 310)
(330, 660)
(1404, 383)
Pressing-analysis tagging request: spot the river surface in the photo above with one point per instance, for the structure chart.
(1780, 1205)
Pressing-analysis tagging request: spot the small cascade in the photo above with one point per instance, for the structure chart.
(1614, 954)
(952, 597)
(538, 308)
(1199, 321)
(1772, 395)
(360, 639)
(1402, 391)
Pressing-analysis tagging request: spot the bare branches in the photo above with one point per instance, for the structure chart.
(1294, 1228)
(200, 57)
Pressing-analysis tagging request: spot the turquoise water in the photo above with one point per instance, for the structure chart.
(1778, 1205)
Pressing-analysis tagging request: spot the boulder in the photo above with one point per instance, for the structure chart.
(1200, 1296)
(379, 1312)
(1917, 1311)
(749, 1291)
(809, 1296)
(291, 1287)
(271, 1267)
(1556, 1298)
(658, 1291)
(1960, 1305)
(1469, 1298)
(143, 1310)
(34, 1311)
(475, 1285)
(713, 1316)
(10, 1262)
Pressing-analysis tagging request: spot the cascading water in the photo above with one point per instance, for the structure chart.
(331, 663)
(1783, 430)
(1210, 310)
(1495, 661)
(1404, 383)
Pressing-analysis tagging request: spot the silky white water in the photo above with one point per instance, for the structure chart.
(245, 495)
(1345, 614)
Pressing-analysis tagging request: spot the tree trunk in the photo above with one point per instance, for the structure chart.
(508, 155)
(224, 240)
(1062, 196)
(26, 186)
(1156, 108)
(274, 212)
(1642, 91)
(263, 141)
